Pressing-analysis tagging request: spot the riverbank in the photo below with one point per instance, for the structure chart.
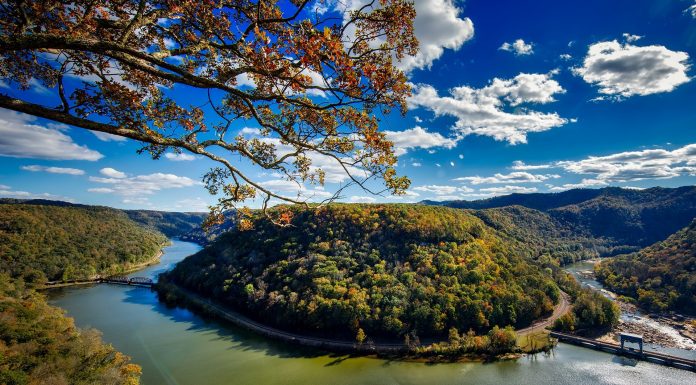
(432, 352)
(656, 330)
(127, 269)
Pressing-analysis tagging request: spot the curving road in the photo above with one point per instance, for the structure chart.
(562, 308)
(326, 343)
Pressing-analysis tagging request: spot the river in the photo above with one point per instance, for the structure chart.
(177, 347)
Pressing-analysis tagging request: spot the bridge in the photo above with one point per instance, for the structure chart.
(621, 350)
(123, 280)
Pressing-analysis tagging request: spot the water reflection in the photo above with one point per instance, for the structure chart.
(177, 347)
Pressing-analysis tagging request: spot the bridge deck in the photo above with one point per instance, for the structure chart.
(664, 359)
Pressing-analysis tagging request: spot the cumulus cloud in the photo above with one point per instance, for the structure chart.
(362, 199)
(119, 183)
(519, 165)
(443, 190)
(112, 173)
(418, 137)
(585, 183)
(518, 47)
(295, 189)
(105, 137)
(437, 27)
(485, 111)
(513, 177)
(21, 137)
(180, 157)
(624, 70)
(631, 38)
(565, 56)
(53, 170)
(636, 165)
(7, 192)
(507, 190)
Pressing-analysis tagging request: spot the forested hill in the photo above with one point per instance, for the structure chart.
(660, 277)
(171, 224)
(390, 270)
(65, 242)
(619, 219)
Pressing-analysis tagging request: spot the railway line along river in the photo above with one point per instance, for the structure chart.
(177, 347)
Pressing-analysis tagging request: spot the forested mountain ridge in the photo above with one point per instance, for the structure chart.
(58, 242)
(390, 270)
(614, 219)
(171, 224)
(660, 277)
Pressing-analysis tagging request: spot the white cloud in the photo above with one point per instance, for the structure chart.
(20, 137)
(483, 111)
(100, 190)
(691, 10)
(112, 173)
(416, 164)
(585, 183)
(443, 190)
(105, 137)
(250, 131)
(565, 56)
(197, 204)
(508, 190)
(53, 170)
(631, 38)
(519, 165)
(418, 137)
(624, 70)
(437, 27)
(519, 47)
(636, 165)
(362, 199)
(513, 177)
(135, 186)
(180, 157)
(294, 189)
(7, 192)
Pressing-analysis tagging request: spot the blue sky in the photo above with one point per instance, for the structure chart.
(584, 94)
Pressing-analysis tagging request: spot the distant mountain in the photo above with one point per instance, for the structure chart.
(660, 277)
(60, 242)
(624, 218)
(171, 224)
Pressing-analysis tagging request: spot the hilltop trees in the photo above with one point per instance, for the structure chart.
(391, 270)
(309, 80)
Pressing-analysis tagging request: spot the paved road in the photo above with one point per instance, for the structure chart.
(540, 325)
(243, 321)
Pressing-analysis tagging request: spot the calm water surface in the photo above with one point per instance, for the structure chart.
(177, 347)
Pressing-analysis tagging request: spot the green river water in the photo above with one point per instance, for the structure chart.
(177, 347)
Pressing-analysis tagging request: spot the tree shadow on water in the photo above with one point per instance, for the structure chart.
(238, 338)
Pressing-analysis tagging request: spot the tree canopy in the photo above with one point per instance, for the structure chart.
(312, 80)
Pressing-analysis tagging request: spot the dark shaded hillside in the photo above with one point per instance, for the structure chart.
(660, 277)
(171, 224)
(390, 270)
(65, 242)
(618, 220)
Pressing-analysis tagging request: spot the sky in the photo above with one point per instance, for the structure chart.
(509, 96)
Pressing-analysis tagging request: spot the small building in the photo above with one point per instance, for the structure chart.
(631, 338)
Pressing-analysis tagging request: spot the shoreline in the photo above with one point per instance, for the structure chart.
(398, 351)
(155, 259)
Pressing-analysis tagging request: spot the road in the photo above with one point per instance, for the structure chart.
(562, 308)
(243, 321)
